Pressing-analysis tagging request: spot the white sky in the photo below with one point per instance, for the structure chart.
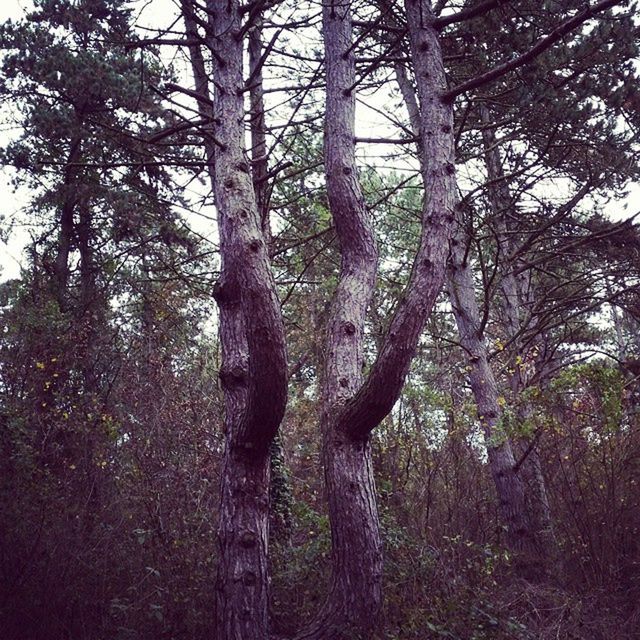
(161, 12)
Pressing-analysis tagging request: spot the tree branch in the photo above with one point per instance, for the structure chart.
(540, 47)
(467, 14)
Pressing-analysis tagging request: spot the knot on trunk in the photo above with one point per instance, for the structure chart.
(232, 376)
(218, 292)
(248, 539)
(249, 579)
(223, 293)
(349, 328)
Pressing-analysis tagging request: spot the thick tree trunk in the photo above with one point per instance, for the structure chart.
(253, 375)
(351, 408)
(242, 586)
(355, 593)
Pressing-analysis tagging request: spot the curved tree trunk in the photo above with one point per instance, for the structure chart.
(509, 489)
(350, 407)
(355, 593)
(253, 375)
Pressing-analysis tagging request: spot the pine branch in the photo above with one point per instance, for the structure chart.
(540, 47)
(467, 14)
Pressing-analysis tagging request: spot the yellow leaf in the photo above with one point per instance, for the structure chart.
(40, 365)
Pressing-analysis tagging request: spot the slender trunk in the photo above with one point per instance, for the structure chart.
(509, 488)
(87, 317)
(259, 160)
(516, 299)
(88, 311)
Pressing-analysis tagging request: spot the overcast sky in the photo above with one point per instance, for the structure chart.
(162, 12)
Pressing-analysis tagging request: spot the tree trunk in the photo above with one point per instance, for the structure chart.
(253, 374)
(259, 160)
(516, 299)
(350, 407)
(355, 593)
(509, 489)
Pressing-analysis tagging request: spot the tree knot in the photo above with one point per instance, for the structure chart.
(349, 328)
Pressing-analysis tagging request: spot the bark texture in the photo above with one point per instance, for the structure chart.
(509, 488)
(355, 592)
(253, 375)
(460, 284)
(257, 126)
(350, 407)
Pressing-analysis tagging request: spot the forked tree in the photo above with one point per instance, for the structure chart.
(254, 370)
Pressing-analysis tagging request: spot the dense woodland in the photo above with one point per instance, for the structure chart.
(328, 322)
